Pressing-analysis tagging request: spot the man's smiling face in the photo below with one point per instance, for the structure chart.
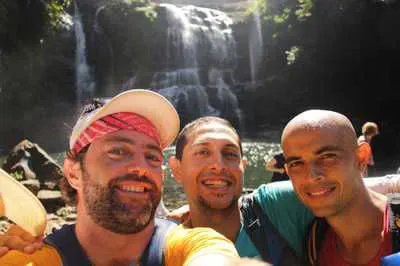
(211, 168)
(323, 165)
(122, 181)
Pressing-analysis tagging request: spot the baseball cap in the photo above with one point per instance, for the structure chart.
(21, 206)
(148, 104)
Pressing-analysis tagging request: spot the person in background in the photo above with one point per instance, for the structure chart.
(369, 130)
(276, 165)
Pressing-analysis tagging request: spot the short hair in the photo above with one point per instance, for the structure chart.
(182, 138)
(370, 128)
(69, 193)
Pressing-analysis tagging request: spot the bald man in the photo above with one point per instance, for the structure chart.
(325, 162)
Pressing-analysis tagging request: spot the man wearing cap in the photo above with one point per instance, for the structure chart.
(113, 173)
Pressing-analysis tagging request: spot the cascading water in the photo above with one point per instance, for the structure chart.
(201, 54)
(85, 85)
(255, 46)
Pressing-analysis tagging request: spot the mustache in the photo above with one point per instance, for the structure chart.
(133, 177)
(218, 173)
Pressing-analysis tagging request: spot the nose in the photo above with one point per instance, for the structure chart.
(217, 163)
(315, 172)
(138, 165)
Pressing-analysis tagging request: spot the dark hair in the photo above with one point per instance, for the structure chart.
(182, 138)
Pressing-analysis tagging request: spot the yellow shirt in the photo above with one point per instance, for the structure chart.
(182, 245)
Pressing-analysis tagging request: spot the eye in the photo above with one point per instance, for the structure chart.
(294, 164)
(232, 155)
(117, 153)
(153, 157)
(328, 158)
(202, 152)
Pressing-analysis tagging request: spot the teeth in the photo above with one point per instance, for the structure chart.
(132, 189)
(319, 193)
(216, 183)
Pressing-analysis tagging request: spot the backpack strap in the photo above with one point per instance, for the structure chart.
(394, 220)
(154, 253)
(314, 238)
(72, 254)
(269, 243)
(68, 246)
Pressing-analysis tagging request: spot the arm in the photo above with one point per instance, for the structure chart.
(271, 166)
(188, 246)
(179, 215)
(385, 185)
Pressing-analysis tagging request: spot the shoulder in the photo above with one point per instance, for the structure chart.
(182, 235)
(274, 190)
(47, 255)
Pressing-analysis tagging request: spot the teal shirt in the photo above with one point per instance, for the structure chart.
(285, 212)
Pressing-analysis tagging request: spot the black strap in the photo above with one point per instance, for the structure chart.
(314, 239)
(269, 243)
(252, 223)
(68, 246)
(394, 220)
(154, 253)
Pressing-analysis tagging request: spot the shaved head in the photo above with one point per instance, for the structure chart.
(316, 120)
(323, 160)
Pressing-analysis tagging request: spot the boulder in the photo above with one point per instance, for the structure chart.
(32, 162)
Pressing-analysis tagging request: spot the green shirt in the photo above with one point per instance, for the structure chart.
(285, 212)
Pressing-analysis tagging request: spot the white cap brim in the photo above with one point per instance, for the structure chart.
(21, 206)
(151, 105)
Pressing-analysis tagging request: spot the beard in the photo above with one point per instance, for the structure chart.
(104, 207)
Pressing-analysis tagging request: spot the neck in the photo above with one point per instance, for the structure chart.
(104, 247)
(359, 227)
(225, 222)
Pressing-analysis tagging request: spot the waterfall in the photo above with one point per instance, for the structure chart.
(255, 46)
(85, 85)
(201, 55)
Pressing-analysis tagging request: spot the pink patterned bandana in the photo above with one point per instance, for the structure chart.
(113, 123)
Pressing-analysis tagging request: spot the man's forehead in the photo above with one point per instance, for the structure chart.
(130, 137)
(213, 131)
(314, 140)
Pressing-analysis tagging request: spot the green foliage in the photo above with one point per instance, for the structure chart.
(141, 6)
(18, 176)
(292, 54)
(56, 12)
(304, 9)
(283, 17)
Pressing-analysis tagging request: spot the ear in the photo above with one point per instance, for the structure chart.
(175, 166)
(245, 163)
(364, 154)
(73, 173)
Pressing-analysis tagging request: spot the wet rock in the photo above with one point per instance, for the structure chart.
(51, 199)
(30, 161)
(32, 185)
